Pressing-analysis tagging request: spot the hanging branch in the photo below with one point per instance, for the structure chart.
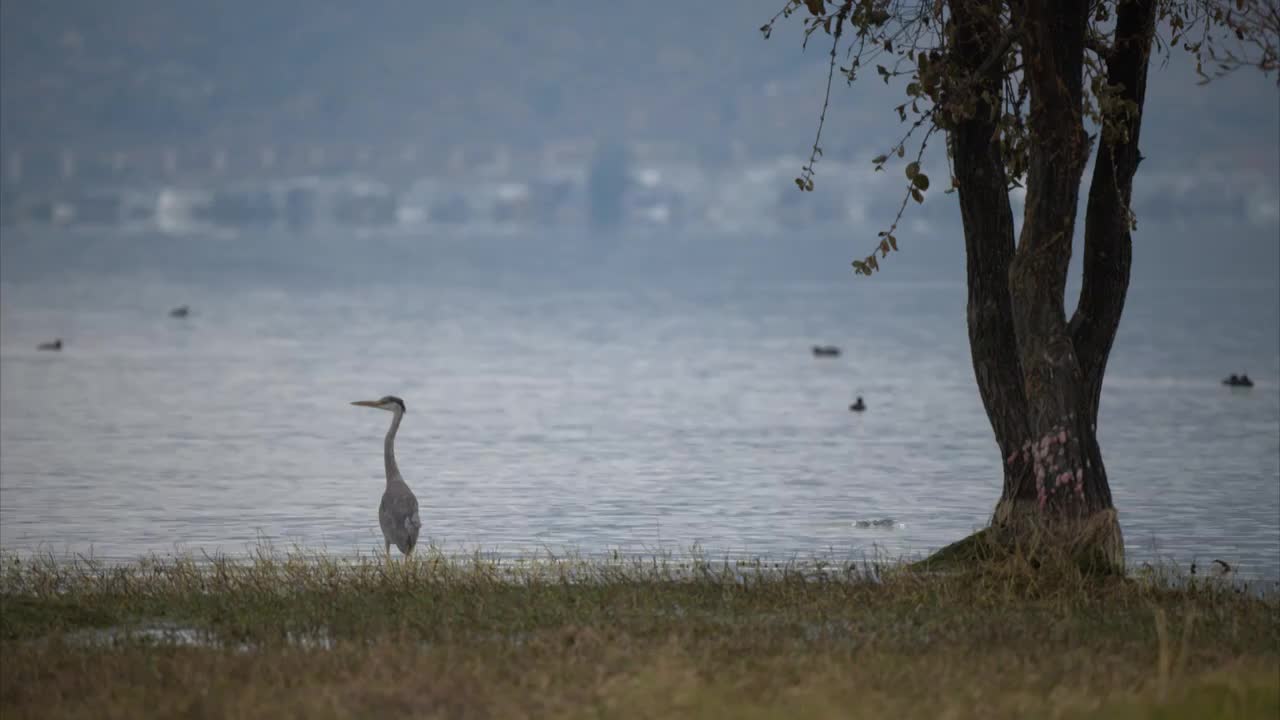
(805, 181)
(917, 184)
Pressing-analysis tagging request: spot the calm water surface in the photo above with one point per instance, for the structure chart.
(632, 417)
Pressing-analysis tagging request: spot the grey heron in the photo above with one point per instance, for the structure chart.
(398, 512)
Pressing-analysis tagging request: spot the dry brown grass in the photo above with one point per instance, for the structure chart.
(311, 636)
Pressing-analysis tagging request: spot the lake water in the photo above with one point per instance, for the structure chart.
(648, 413)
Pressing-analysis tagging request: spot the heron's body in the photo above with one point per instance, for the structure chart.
(398, 512)
(398, 516)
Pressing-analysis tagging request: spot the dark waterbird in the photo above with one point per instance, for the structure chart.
(826, 351)
(180, 312)
(1218, 568)
(858, 406)
(55, 345)
(1238, 381)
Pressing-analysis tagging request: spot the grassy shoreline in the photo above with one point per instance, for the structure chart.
(306, 635)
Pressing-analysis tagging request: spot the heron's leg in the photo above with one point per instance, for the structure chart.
(388, 553)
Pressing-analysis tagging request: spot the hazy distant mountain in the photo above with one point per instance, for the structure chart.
(110, 75)
(146, 70)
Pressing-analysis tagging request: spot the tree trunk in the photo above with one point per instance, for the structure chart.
(988, 231)
(1040, 376)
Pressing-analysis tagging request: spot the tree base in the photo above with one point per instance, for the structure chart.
(1018, 534)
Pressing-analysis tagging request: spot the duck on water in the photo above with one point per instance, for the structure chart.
(1238, 380)
(54, 346)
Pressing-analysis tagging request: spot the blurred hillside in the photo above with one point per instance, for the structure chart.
(425, 118)
(134, 72)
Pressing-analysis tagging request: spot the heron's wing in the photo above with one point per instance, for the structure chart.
(398, 516)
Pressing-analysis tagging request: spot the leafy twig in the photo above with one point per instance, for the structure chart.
(917, 184)
(767, 28)
(805, 181)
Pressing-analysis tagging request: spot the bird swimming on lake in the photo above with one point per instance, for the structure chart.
(54, 346)
(858, 406)
(398, 512)
(180, 312)
(826, 351)
(1238, 381)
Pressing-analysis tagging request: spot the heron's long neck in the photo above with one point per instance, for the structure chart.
(389, 451)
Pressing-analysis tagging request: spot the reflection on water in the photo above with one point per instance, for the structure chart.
(631, 419)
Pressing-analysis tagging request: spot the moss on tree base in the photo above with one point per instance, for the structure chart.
(1091, 547)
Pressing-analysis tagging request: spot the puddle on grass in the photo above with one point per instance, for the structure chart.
(160, 634)
(174, 635)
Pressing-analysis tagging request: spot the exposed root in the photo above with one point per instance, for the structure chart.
(1093, 546)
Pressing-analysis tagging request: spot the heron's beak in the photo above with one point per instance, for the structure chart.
(367, 403)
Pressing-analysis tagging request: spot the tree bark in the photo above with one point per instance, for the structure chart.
(988, 229)
(1069, 485)
(1040, 377)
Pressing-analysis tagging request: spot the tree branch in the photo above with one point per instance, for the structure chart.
(1108, 244)
(1098, 46)
(805, 181)
(988, 232)
(996, 56)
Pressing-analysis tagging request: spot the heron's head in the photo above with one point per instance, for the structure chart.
(390, 402)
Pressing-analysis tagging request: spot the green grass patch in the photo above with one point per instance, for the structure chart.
(304, 635)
